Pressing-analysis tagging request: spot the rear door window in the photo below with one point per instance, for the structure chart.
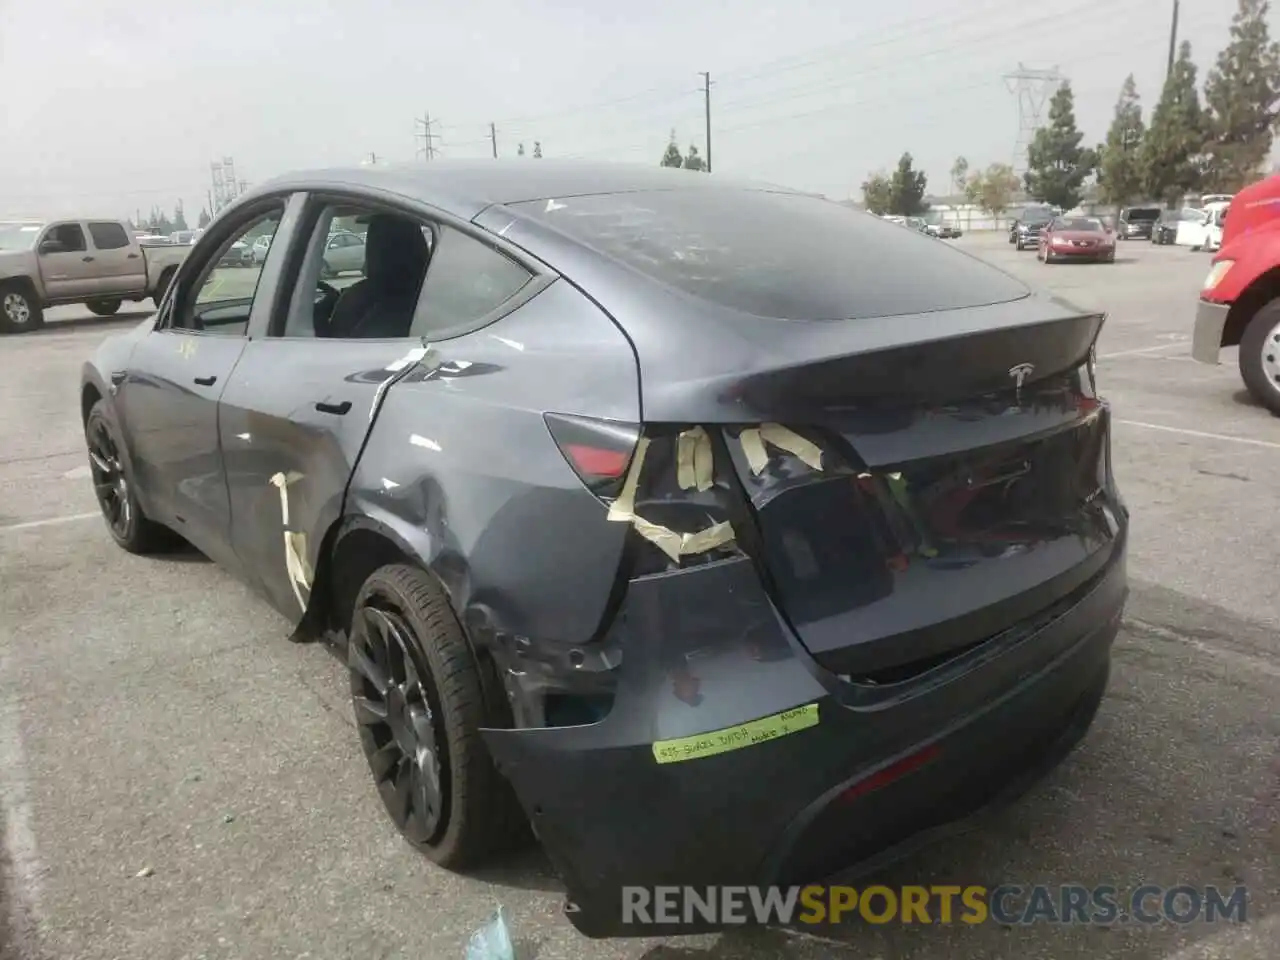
(108, 236)
(777, 255)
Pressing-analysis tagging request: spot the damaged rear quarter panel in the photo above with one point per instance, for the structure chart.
(461, 466)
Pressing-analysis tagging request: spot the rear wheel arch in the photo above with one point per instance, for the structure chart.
(89, 395)
(1256, 296)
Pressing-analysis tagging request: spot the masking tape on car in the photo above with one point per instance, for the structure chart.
(735, 738)
(694, 460)
(674, 545)
(753, 441)
(793, 443)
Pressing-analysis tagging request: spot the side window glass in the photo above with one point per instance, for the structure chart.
(64, 238)
(108, 236)
(224, 292)
(468, 280)
(361, 276)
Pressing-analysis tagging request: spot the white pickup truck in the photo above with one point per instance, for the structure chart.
(95, 262)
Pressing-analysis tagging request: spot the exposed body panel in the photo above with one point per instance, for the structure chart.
(462, 465)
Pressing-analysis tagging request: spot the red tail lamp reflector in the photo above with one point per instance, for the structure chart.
(895, 771)
(597, 461)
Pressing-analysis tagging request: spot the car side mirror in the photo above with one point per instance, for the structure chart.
(52, 246)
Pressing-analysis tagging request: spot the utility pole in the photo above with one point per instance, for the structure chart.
(428, 135)
(493, 138)
(1033, 89)
(1173, 39)
(706, 99)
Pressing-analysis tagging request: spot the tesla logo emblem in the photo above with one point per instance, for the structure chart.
(1020, 374)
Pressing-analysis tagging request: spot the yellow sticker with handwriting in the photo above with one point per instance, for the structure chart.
(735, 738)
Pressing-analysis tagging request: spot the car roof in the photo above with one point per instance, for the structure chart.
(466, 187)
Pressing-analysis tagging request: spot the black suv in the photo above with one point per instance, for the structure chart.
(1024, 232)
(1137, 223)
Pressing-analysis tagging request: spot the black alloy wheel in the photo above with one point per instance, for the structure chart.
(420, 696)
(398, 714)
(113, 487)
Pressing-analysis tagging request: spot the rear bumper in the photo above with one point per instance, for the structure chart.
(1206, 337)
(791, 805)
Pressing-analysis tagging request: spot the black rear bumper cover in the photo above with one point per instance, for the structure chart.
(609, 815)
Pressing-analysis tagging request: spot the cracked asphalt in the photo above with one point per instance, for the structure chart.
(178, 781)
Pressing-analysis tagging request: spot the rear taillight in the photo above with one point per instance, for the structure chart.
(598, 450)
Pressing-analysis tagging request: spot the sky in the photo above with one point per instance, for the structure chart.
(111, 108)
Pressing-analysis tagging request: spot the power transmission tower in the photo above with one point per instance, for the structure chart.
(706, 100)
(225, 185)
(427, 135)
(1033, 88)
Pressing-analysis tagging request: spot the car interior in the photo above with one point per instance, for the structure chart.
(381, 303)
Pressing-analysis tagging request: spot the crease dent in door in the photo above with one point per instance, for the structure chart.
(298, 560)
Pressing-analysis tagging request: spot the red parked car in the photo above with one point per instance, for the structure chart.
(1076, 238)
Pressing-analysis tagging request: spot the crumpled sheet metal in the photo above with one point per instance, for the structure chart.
(693, 467)
(753, 442)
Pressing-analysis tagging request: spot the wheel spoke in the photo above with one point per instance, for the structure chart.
(369, 712)
(385, 760)
(360, 662)
(100, 462)
(403, 791)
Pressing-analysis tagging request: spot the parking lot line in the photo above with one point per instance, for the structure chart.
(1155, 349)
(1270, 445)
(48, 522)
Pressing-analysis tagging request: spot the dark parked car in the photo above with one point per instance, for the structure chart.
(1165, 230)
(721, 533)
(1077, 238)
(1137, 223)
(1024, 232)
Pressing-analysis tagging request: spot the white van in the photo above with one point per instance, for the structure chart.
(1198, 234)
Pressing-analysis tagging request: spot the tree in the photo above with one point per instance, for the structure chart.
(537, 149)
(520, 150)
(907, 187)
(993, 189)
(877, 194)
(204, 219)
(693, 161)
(1120, 167)
(179, 219)
(672, 157)
(1056, 163)
(959, 174)
(1242, 93)
(1172, 161)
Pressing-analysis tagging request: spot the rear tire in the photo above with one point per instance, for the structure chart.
(20, 312)
(1260, 356)
(114, 488)
(104, 308)
(420, 697)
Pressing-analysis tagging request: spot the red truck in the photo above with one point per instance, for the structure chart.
(1240, 298)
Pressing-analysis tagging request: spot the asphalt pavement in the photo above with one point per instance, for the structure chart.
(178, 781)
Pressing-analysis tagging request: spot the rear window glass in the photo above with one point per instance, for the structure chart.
(1144, 213)
(777, 255)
